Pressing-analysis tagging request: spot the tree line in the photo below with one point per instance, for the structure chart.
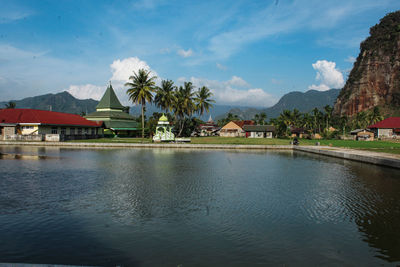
(183, 101)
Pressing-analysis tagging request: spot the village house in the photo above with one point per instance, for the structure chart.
(387, 128)
(40, 125)
(362, 134)
(259, 131)
(115, 116)
(234, 129)
(207, 129)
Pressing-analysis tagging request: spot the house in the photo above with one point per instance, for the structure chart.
(115, 116)
(39, 125)
(234, 129)
(362, 134)
(299, 132)
(207, 129)
(259, 131)
(388, 128)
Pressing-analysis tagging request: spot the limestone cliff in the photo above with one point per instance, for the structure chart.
(375, 77)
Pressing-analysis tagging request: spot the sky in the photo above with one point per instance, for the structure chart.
(248, 53)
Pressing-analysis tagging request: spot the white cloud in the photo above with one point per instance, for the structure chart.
(123, 69)
(350, 59)
(328, 75)
(221, 67)
(185, 53)
(87, 91)
(237, 81)
(228, 92)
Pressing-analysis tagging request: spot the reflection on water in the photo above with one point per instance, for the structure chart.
(171, 207)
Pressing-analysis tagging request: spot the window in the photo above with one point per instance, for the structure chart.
(63, 131)
(54, 130)
(93, 131)
(71, 131)
(86, 130)
(79, 130)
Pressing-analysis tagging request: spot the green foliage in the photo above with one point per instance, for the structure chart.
(140, 89)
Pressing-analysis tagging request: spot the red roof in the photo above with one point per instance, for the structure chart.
(242, 123)
(21, 115)
(389, 123)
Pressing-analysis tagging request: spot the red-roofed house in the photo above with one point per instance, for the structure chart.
(234, 129)
(33, 124)
(389, 127)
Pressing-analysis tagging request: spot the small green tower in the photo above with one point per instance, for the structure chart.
(163, 131)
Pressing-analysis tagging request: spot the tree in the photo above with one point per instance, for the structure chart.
(165, 95)
(140, 89)
(203, 101)
(263, 118)
(184, 104)
(375, 116)
(10, 105)
(328, 113)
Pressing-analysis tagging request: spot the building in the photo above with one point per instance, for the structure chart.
(115, 116)
(207, 129)
(163, 130)
(259, 131)
(39, 125)
(388, 128)
(234, 129)
(362, 134)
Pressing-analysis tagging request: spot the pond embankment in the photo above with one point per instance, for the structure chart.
(383, 159)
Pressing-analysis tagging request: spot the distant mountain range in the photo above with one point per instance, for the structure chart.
(65, 102)
(61, 102)
(304, 102)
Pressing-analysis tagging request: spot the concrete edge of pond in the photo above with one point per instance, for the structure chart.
(147, 145)
(376, 158)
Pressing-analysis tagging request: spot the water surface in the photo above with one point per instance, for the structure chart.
(152, 207)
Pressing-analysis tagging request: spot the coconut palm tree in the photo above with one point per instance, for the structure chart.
(375, 116)
(328, 113)
(203, 101)
(184, 104)
(140, 89)
(10, 105)
(263, 118)
(165, 95)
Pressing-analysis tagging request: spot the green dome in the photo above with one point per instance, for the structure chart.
(163, 118)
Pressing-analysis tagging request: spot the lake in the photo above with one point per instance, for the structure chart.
(169, 207)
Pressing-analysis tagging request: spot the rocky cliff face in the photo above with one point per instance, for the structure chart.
(375, 77)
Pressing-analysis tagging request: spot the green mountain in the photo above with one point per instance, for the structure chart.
(304, 102)
(61, 102)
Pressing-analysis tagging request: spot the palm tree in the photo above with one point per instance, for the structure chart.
(10, 105)
(328, 112)
(315, 113)
(263, 118)
(203, 101)
(140, 89)
(256, 118)
(343, 123)
(184, 105)
(165, 95)
(375, 116)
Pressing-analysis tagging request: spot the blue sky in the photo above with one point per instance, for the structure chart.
(246, 52)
